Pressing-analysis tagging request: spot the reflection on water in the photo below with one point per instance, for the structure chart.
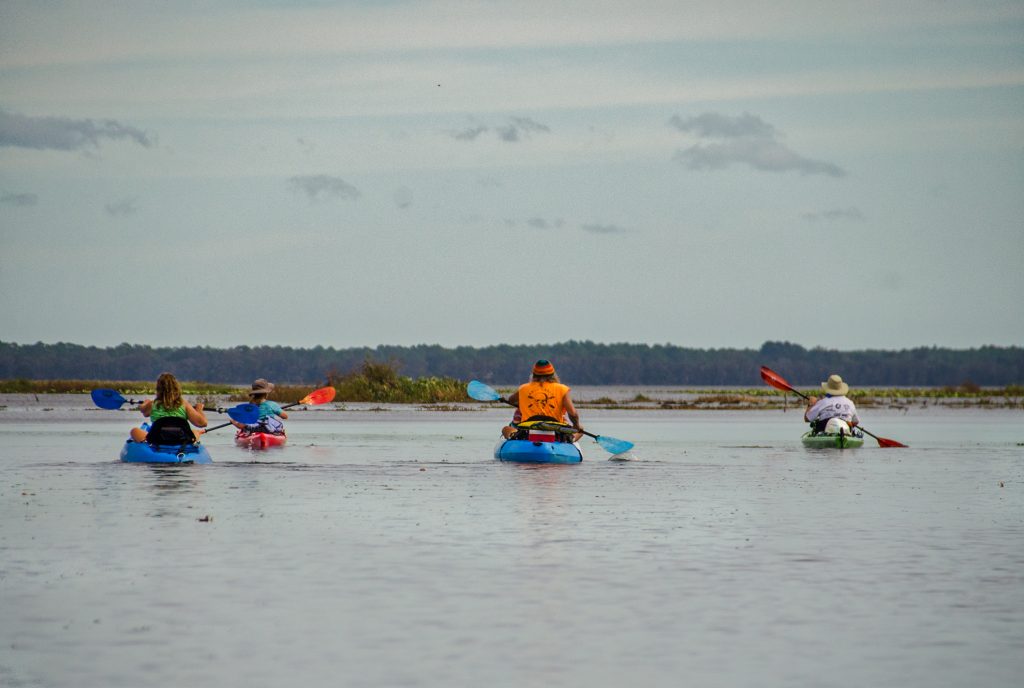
(172, 478)
(390, 549)
(168, 483)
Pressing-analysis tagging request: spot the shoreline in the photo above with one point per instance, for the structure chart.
(634, 399)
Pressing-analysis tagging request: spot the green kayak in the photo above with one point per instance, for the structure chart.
(830, 441)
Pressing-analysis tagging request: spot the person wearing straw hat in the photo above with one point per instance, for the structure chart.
(835, 404)
(271, 413)
(544, 397)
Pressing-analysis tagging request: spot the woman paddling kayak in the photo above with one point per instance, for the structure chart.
(170, 415)
(544, 397)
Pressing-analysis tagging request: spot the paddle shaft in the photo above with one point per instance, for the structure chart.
(881, 440)
(246, 412)
(222, 425)
(297, 403)
(795, 391)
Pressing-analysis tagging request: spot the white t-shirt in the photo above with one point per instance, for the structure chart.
(833, 407)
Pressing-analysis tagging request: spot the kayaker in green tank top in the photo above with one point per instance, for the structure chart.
(169, 403)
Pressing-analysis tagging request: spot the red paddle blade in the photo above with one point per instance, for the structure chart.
(320, 396)
(775, 380)
(885, 442)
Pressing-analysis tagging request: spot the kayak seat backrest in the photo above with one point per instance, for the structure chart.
(820, 427)
(170, 430)
(269, 425)
(543, 429)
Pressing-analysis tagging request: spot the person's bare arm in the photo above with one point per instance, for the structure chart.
(570, 410)
(195, 415)
(811, 401)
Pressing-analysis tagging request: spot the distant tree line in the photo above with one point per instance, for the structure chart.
(577, 362)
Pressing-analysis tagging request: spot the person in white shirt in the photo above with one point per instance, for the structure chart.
(835, 404)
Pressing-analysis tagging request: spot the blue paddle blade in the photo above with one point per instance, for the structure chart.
(481, 392)
(107, 398)
(247, 414)
(613, 445)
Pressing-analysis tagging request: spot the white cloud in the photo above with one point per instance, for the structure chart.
(544, 223)
(746, 139)
(62, 133)
(121, 208)
(19, 199)
(603, 229)
(321, 186)
(515, 130)
(469, 134)
(850, 213)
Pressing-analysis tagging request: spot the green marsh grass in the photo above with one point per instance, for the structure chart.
(381, 383)
(125, 387)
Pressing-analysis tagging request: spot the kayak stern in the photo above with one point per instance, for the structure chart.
(525, 451)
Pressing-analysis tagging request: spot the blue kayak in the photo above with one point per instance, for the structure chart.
(141, 452)
(525, 451)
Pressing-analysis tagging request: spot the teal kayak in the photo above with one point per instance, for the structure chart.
(525, 451)
(831, 441)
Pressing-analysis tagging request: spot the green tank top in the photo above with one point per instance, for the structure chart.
(158, 412)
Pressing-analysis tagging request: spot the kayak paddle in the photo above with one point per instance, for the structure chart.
(110, 399)
(246, 414)
(775, 380)
(481, 392)
(320, 396)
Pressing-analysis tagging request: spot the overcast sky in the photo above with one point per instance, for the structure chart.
(706, 173)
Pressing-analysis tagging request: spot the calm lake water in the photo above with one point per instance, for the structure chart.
(387, 548)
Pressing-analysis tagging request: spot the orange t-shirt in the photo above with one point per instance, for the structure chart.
(543, 399)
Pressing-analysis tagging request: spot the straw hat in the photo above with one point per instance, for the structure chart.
(261, 386)
(835, 386)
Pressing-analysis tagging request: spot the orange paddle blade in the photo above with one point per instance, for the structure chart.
(775, 380)
(883, 442)
(320, 396)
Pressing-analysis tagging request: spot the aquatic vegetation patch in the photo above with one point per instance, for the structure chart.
(25, 386)
(380, 382)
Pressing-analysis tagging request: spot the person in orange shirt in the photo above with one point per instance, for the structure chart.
(544, 397)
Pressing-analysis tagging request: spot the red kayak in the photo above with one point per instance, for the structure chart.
(259, 440)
